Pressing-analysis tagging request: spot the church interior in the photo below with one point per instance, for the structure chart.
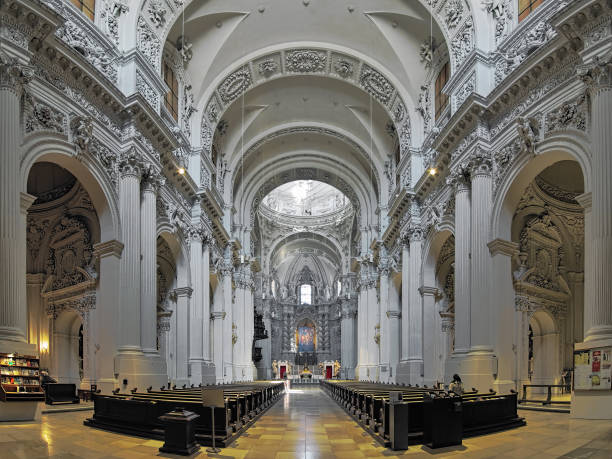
(305, 228)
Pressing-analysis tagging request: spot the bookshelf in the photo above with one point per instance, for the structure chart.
(20, 378)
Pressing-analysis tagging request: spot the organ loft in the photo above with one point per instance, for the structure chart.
(304, 227)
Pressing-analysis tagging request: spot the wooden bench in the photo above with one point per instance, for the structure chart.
(137, 413)
(398, 424)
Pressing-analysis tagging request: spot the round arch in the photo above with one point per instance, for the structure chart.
(272, 173)
(526, 168)
(319, 238)
(91, 176)
(179, 252)
(325, 130)
(431, 251)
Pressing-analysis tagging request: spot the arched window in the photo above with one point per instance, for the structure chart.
(526, 7)
(172, 96)
(88, 7)
(305, 294)
(441, 98)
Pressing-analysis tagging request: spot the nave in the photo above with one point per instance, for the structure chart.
(307, 423)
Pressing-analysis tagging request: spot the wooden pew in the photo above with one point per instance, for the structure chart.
(138, 413)
(397, 425)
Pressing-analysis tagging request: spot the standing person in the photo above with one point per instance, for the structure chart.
(456, 385)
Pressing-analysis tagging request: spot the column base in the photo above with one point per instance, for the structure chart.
(242, 372)
(503, 386)
(107, 385)
(410, 372)
(591, 405)
(12, 334)
(20, 411)
(8, 346)
(202, 372)
(347, 373)
(476, 369)
(367, 372)
(140, 371)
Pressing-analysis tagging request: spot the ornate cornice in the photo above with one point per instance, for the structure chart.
(108, 248)
(585, 200)
(503, 247)
(183, 291)
(429, 291)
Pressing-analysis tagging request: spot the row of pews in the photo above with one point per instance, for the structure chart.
(401, 415)
(138, 413)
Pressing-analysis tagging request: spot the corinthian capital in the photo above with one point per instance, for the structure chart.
(152, 179)
(597, 74)
(14, 75)
(129, 164)
(481, 163)
(459, 179)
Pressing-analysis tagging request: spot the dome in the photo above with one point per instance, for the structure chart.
(306, 198)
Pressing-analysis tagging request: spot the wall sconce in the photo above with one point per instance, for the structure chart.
(44, 348)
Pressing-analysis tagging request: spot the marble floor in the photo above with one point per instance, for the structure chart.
(308, 424)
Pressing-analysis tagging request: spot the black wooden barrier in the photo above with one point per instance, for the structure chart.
(138, 413)
(548, 400)
(60, 393)
(397, 425)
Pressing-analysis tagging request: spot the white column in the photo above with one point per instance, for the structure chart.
(405, 297)
(503, 314)
(347, 335)
(13, 309)
(183, 296)
(586, 202)
(218, 317)
(394, 315)
(148, 263)
(480, 305)
(208, 369)
(430, 334)
(228, 346)
(196, 318)
(249, 328)
(362, 323)
(239, 326)
(415, 308)
(385, 336)
(129, 209)
(462, 262)
(105, 318)
(37, 316)
(598, 311)
(597, 75)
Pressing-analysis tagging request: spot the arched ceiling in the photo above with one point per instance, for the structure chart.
(289, 255)
(295, 89)
(223, 31)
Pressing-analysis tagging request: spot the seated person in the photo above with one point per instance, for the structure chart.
(45, 378)
(456, 385)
